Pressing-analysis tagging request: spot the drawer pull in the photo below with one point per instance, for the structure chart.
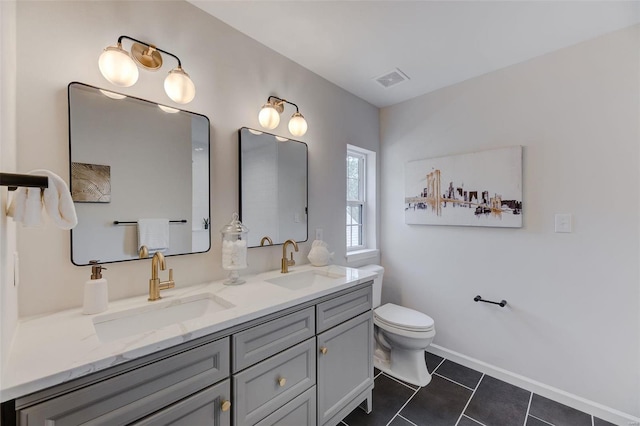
(282, 381)
(324, 350)
(225, 405)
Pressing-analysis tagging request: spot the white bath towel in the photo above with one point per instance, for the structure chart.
(27, 203)
(153, 233)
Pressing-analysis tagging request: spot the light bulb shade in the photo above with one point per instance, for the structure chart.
(269, 117)
(117, 66)
(179, 86)
(297, 124)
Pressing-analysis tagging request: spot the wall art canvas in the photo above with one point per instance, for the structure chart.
(90, 183)
(476, 189)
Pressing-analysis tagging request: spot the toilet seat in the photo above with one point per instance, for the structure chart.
(391, 316)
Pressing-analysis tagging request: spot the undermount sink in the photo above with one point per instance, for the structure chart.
(296, 281)
(156, 315)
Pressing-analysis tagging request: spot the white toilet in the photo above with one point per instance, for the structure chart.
(402, 335)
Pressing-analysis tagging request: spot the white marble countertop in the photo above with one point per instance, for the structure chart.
(52, 349)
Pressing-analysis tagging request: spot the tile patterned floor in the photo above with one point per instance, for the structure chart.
(461, 396)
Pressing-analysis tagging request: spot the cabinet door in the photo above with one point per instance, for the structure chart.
(210, 406)
(345, 364)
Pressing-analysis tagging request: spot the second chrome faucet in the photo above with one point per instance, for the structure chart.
(285, 263)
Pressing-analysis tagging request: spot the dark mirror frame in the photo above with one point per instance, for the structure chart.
(240, 168)
(124, 220)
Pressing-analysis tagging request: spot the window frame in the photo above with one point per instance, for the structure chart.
(360, 202)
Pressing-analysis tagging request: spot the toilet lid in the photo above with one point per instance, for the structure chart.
(404, 318)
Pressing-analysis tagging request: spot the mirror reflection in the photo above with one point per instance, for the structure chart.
(273, 187)
(139, 175)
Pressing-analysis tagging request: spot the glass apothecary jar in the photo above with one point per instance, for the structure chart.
(234, 249)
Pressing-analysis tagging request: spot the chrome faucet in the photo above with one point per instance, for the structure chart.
(286, 262)
(155, 285)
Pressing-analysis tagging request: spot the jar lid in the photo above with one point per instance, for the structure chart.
(234, 227)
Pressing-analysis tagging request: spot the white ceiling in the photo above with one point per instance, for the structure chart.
(435, 43)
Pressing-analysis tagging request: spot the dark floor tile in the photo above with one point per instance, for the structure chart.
(412, 386)
(459, 374)
(556, 413)
(432, 361)
(600, 422)
(388, 397)
(466, 421)
(375, 371)
(440, 403)
(399, 421)
(532, 421)
(498, 403)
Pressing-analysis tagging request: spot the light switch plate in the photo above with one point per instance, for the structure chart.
(563, 223)
(318, 233)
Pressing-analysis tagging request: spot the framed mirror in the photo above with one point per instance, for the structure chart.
(273, 187)
(136, 162)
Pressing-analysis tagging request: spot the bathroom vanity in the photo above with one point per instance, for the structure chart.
(291, 349)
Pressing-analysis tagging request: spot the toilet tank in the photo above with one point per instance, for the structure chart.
(377, 282)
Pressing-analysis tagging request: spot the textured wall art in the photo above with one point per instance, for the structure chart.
(90, 183)
(476, 189)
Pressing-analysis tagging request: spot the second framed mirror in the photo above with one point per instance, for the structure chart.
(273, 188)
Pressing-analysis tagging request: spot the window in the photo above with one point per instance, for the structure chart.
(356, 208)
(361, 206)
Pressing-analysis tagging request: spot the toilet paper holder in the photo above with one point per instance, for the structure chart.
(479, 298)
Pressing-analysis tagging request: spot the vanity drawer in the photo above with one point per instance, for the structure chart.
(300, 411)
(207, 407)
(262, 389)
(340, 309)
(260, 342)
(137, 393)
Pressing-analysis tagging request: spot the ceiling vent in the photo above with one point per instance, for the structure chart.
(392, 78)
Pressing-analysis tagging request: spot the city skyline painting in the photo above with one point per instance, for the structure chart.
(476, 189)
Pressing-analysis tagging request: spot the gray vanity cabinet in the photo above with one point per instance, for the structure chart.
(309, 365)
(345, 354)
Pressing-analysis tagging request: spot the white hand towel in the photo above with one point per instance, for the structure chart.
(26, 204)
(153, 233)
(58, 201)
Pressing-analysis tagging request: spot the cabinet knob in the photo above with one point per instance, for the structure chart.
(282, 381)
(226, 405)
(324, 350)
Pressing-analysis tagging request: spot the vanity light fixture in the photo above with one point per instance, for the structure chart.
(120, 68)
(269, 116)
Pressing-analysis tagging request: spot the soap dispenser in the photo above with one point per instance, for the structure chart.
(96, 293)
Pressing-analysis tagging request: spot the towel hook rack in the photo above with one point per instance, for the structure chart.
(14, 180)
(479, 298)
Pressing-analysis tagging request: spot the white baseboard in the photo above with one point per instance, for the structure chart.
(590, 407)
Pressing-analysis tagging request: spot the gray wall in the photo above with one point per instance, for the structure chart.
(573, 319)
(233, 75)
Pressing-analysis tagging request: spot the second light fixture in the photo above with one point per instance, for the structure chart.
(269, 116)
